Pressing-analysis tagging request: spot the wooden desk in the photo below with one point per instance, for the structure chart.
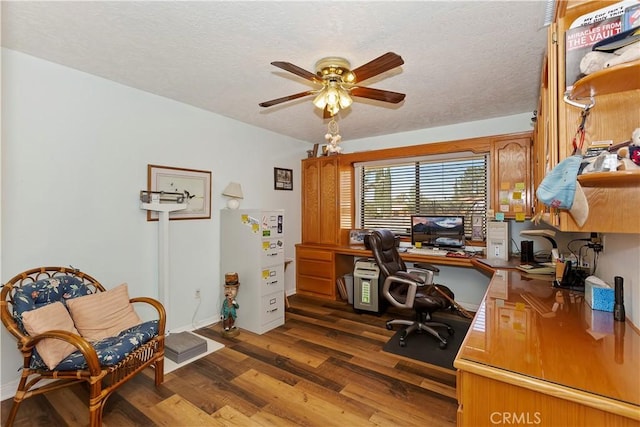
(318, 266)
(522, 363)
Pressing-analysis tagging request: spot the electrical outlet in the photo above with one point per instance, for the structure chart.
(197, 295)
(596, 243)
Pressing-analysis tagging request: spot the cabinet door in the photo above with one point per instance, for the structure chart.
(320, 200)
(512, 176)
(310, 201)
(328, 220)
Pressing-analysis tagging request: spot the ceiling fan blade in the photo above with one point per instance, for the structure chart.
(287, 66)
(379, 65)
(286, 98)
(377, 94)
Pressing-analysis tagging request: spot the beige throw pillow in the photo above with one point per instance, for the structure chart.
(47, 318)
(104, 314)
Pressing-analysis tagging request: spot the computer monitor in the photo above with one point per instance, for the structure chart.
(438, 231)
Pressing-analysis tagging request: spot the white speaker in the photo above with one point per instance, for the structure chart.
(498, 240)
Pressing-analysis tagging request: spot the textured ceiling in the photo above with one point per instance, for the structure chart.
(464, 61)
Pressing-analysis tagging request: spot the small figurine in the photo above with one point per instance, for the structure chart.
(230, 305)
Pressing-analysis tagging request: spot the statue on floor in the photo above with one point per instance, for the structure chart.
(230, 305)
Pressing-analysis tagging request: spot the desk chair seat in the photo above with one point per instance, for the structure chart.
(410, 289)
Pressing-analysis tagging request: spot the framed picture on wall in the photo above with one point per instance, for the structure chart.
(194, 184)
(282, 179)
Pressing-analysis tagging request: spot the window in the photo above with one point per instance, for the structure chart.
(389, 192)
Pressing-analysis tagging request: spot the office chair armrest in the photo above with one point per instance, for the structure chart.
(425, 275)
(411, 291)
(415, 276)
(425, 266)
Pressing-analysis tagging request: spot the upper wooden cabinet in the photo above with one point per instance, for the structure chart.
(614, 197)
(320, 200)
(511, 176)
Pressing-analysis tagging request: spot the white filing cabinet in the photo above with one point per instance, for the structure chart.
(252, 244)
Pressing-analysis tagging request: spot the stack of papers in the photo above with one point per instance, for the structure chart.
(535, 268)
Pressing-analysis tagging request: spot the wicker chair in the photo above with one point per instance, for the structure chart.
(101, 376)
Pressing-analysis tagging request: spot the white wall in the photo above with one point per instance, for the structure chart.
(498, 126)
(75, 150)
(621, 257)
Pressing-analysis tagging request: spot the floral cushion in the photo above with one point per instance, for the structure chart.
(37, 294)
(110, 350)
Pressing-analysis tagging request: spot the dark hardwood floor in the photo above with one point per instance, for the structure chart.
(324, 367)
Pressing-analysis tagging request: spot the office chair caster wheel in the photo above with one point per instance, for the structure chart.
(389, 326)
(451, 331)
(442, 345)
(403, 343)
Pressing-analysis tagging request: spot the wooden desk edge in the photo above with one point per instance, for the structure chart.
(602, 403)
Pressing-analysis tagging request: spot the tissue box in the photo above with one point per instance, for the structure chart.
(598, 294)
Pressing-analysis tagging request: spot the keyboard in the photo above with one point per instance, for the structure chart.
(427, 251)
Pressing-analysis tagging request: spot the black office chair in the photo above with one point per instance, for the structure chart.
(409, 288)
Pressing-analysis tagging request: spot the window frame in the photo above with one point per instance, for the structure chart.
(426, 158)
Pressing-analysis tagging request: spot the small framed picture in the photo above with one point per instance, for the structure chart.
(282, 179)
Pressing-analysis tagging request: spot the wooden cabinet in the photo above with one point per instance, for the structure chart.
(317, 270)
(614, 199)
(511, 176)
(320, 200)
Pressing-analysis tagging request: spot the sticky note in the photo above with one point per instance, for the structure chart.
(505, 185)
(517, 195)
(520, 216)
(520, 186)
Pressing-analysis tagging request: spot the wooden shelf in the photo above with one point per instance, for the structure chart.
(610, 179)
(616, 79)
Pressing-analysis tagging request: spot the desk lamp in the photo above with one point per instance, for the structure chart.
(547, 234)
(234, 192)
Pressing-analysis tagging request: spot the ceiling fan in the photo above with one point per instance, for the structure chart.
(340, 83)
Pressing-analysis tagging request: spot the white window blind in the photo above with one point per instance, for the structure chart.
(390, 192)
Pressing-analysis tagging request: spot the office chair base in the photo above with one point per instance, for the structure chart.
(420, 327)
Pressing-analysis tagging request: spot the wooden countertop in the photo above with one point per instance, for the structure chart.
(573, 352)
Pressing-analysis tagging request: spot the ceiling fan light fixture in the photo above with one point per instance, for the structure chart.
(320, 100)
(345, 99)
(333, 109)
(332, 95)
